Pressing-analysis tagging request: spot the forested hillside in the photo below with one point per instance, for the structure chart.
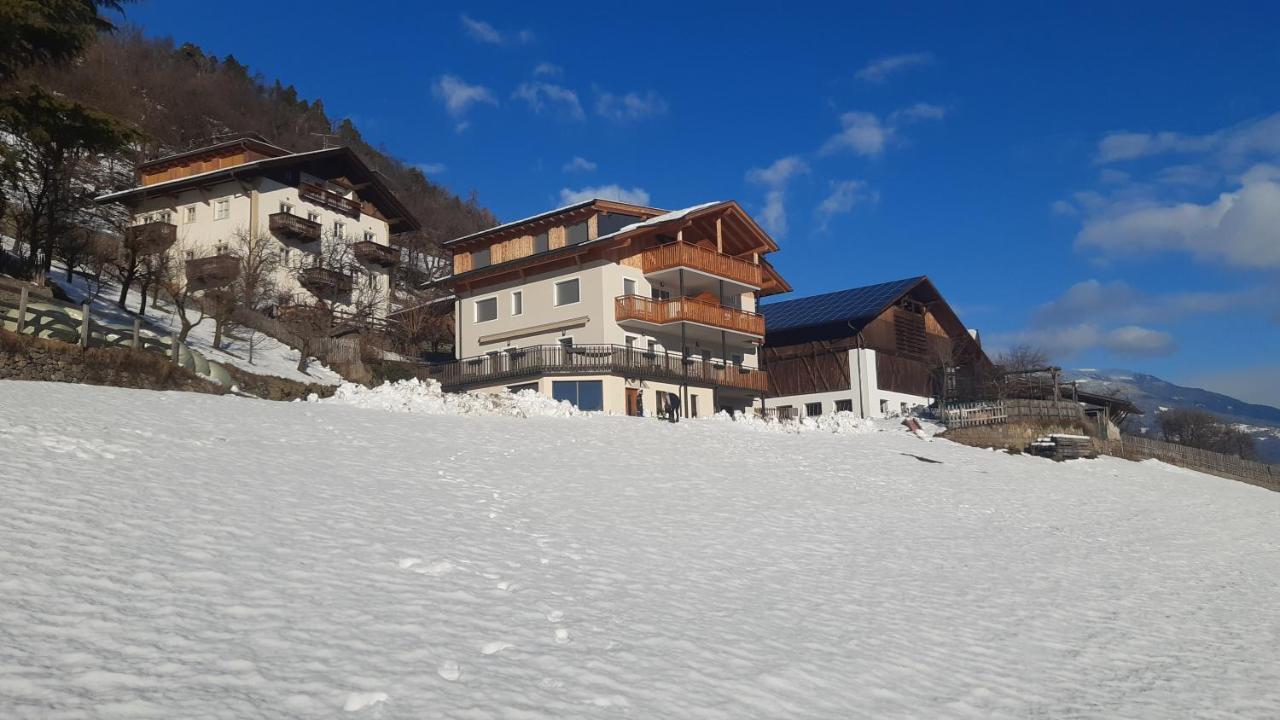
(179, 97)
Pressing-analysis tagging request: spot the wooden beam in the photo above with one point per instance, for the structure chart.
(719, 235)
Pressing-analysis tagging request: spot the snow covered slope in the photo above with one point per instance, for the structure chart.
(180, 556)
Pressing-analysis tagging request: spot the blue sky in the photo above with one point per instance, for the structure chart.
(1102, 180)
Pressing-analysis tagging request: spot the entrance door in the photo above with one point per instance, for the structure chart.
(633, 402)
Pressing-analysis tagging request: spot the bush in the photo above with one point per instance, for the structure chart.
(1201, 429)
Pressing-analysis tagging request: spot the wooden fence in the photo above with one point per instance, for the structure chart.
(1133, 447)
(972, 414)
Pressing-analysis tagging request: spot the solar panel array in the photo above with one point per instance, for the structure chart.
(858, 306)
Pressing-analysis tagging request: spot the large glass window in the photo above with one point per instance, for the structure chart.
(486, 310)
(567, 292)
(576, 233)
(584, 394)
(628, 286)
(609, 223)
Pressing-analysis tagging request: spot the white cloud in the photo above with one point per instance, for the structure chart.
(865, 134)
(1249, 139)
(1067, 341)
(487, 33)
(430, 169)
(540, 95)
(630, 106)
(458, 97)
(773, 216)
(1062, 207)
(862, 132)
(1237, 228)
(1120, 303)
(844, 195)
(1255, 383)
(579, 164)
(635, 195)
(880, 70)
(546, 69)
(919, 111)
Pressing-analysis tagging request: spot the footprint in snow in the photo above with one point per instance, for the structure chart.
(449, 670)
(359, 701)
(494, 647)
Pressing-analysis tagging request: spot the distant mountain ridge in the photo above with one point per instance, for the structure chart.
(1153, 394)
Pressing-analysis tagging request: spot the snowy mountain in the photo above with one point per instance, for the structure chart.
(174, 555)
(1153, 394)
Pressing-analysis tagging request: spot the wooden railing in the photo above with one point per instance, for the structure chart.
(375, 253)
(298, 228)
(696, 257)
(212, 272)
(317, 194)
(152, 237)
(324, 281)
(661, 312)
(522, 363)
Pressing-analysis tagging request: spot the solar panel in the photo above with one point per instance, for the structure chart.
(857, 306)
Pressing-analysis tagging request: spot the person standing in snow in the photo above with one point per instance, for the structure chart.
(673, 407)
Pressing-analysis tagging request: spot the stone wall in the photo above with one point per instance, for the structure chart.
(28, 358)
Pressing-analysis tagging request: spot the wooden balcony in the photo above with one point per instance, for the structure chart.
(212, 272)
(662, 312)
(152, 237)
(294, 227)
(324, 282)
(374, 253)
(540, 360)
(705, 260)
(320, 196)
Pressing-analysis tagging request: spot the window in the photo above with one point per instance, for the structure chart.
(567, 292)
(902, 408)
(284, 255)
(609, 223)
(486, 310)
(338, 230)
(584, 394)
(693, 405)
(737, 359)
(190, 254)
(313, 217)
(286, 208)
(166, 216)
(370, 236)
(628, 286)
(566, 343)
(517, 303)
(884, 407)
(189, 216)
(660, 294)
(222, 210)
(222, 248)
(541, 242)
(844, 406)
(813, 409)
(653, 347)
(480, 258)
(576, 233)
(630, 341)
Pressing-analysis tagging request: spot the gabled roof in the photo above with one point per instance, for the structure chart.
(248, 141)
(852, 308)
(607, 205)
(330, 162)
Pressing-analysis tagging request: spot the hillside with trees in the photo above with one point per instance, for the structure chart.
(178, 97)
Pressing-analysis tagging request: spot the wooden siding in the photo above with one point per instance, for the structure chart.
(809, 368)
(661, 312)
(197, 165)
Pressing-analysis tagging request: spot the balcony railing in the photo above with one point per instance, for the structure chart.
(374, 253)
(292, 226)
(152, 237)
(696, 257)
(324, 281)
(212, 272)
(317, 194)
(523, 363)
(661, 312)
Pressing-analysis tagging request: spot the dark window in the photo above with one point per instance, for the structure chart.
(813, 409)
(567, 292)
(693, 406)
(584, 394)
(576, 233)
(486, 310)
(541, 242)
(480, 258)
(609, 223)
(844, 406)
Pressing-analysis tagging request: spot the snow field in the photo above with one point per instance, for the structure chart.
(167, 555)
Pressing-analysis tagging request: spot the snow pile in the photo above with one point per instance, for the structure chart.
(426, 398)
(841, 423)
(176, 555)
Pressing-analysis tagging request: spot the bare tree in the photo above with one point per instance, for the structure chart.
(1022, 357)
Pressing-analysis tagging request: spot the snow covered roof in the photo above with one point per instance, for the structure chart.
(547, 214)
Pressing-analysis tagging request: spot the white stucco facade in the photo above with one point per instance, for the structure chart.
(863, 397)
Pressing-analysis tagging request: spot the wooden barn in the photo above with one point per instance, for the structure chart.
(878, 350)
